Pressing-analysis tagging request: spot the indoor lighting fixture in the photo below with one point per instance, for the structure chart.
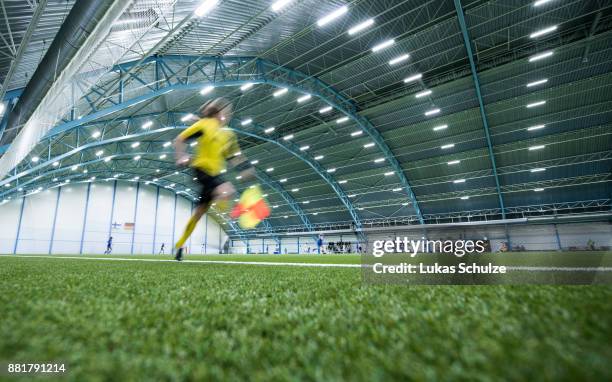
(135, 144)
(465, 197)
(539, 169)
(540, 56)
(107, 159)
(280, 92)
(163, 156)
(332, 16)
(399, 59)
(398, 189)
(459, 181)
(368, 145)
(167, 144)
(331, 170)
(35, 159)
(326, 109)
(304, 148)
(536, 127)
(383, 45)
(540, 2)
(456, 161)
(422, 94)
(538, 189)
(535, 104)
(75, 167)
(284, 180)
(207, 90)
(432, 112)
(192, 144)
(55, 164)
(413, 78)
(319, 157)
(342, 181)
(269, 130)
(246, 86)
(205, 7)
(2, 107)
(280, 4)
(379, 160)
(246, 122)
(538, 147)
(295, 189)
(187, 117)
(304, 98)
(147, 124)
(441, 127)
(288, 137)
(536, 83)
(315, 213)
(449, 146)
(137, 157)
(356, 133)
(254, 162)
(99, 153)
(389, 173)
(352, 196)
(96, 134)
(542, 32)
(361, 26)
(306, 202)
(270, 169)
(342, 120)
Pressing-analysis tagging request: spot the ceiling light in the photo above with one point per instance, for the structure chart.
(399, 59)
(332, 16)
(187, 117)
(239, 177)
(342, 120)
(538, 189)
(269, 130)
(413, 78)
(368, 145)
(254, 162)
(441, 127)
(449, 146)
(85, 171)
(459, 181)
(295, 189)
(99, 153)
(540, 56)
(538, 147)
(456, 161)
(331, 170)
(205, 7)
(343, 181)
(280, 4)
(389, 173)
(75, 167)
(422, 94)
(535, 104)
(283, 180)
(192, 144)
(246, 122)
(315, 213)
(96, 134)
(135, 144)
(55, 164)
(540, 2)
(306, 202)
(352, 196)
(288, 137)
(207, 89)
(361, 26)
(383, 45)
(137, 157)
(379, 160)
(304, 148)
(542, 32)
(147, 124)
(432, 112)
(167, 144)
(356, 133)
(270, 169)
(107, 159)
(536, 127)
(326, 109)
(540, 169)
(464, 197)
(246, 86)
(536, 83)
(304, 98)
(163, 156)
(280, 92)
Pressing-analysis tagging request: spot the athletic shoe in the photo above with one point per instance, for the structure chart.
(179, 254)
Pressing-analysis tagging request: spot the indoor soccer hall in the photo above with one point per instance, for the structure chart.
(359, 120)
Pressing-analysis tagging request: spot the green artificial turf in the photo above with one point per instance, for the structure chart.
(161, 320)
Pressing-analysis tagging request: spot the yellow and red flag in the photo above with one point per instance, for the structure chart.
(251, 208)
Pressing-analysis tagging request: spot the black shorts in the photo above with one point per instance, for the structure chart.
(208, 184)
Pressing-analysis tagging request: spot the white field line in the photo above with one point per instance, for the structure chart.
(313, 265)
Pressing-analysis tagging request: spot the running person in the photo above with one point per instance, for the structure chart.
(216, 144)
(162, 250)
(109, 246)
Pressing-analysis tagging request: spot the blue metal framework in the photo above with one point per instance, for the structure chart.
(468, 47)
(227, 71)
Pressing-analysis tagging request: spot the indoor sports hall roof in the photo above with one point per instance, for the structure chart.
(355, 113)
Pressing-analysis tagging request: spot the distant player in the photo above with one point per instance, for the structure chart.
(162, 250)
(216, 145)
(319, 244)
(109, 246)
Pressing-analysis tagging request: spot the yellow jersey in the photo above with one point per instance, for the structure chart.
(215, 145)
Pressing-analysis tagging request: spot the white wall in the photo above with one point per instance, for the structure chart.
(85, 214)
